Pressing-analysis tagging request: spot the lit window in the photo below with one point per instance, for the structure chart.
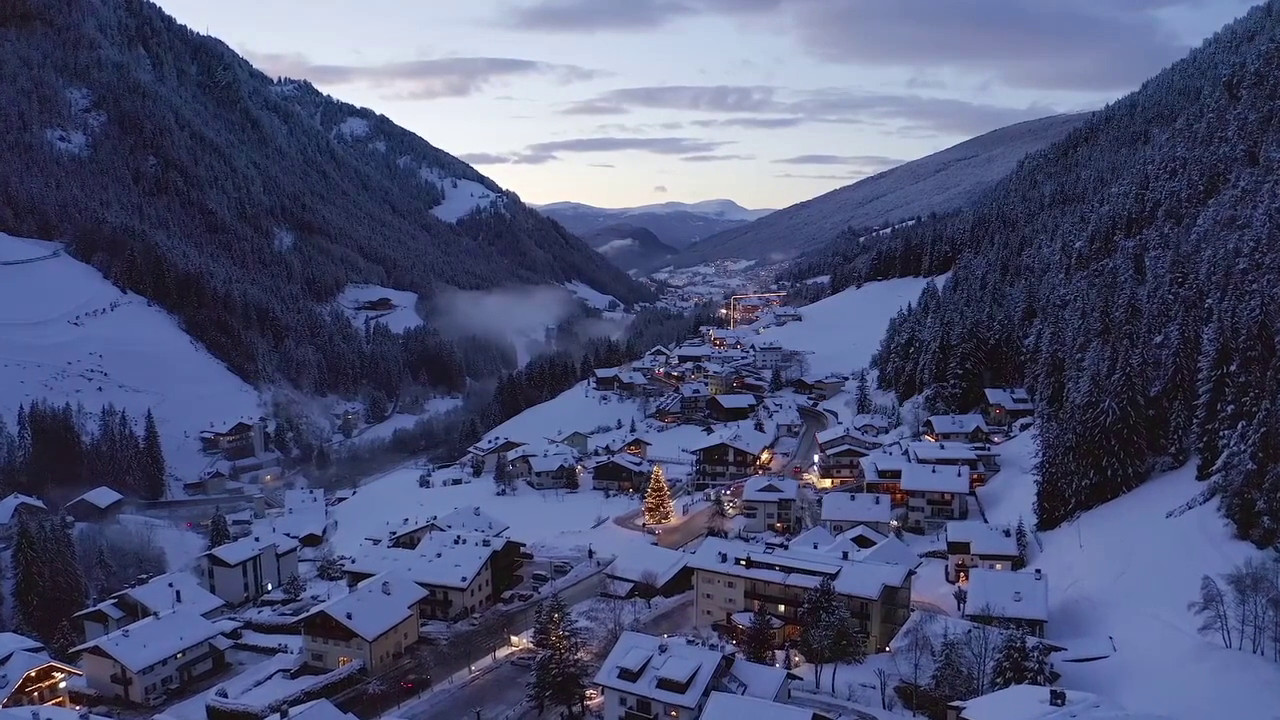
(782, 608)
(999, 566)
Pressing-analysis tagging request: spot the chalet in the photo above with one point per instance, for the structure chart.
(161, 594)
(784, 315)
(870, 425)
(951, 454)
(305, 517)
(95, 505)
(729, 408)
(1003, 406)
(372, 624)
(632, 383)
(882, 473)
(649, 677)
(614, 443)
(732, 576)
(457, 570)
(935, 495)
(548, 471)
(962, 428)
(843, 511)
(470, 519)
(723, 460)
(577, 440)
(408, 533)
(211, 481)
(766, 354)
(487, 451)
(647, 571)
(13, 508)
(692, 352)
(977, 545)
(382, 304)
(605, 378)
(693, 398)
(259, 468)
(784, 415)
(622, 472)
(770, 503)
(1036, 702)
(659, 354)
(156, 656)
(246, 569)
(28, 676)
(720, 378)
(1009, 599)
(220, 441)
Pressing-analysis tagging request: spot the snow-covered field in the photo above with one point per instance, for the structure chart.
(401, 318)
(590, 295)
(843, 331)
(1127, 571)
(384, 429)
(68, 335)
(460, 196)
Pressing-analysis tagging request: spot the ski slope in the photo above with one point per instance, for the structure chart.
(68, 335)
(843, 331)
(1125, 570)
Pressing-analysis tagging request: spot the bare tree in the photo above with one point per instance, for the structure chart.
(981, 644)
(648, 586)
(882, 683)
(914, 660)
(1211, 608)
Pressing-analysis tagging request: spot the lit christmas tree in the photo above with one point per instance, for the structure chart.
(658, 508)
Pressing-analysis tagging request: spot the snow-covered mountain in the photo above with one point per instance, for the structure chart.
(631, 247)
(676, 224)
(942, 181)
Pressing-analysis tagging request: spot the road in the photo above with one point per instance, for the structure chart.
(691, 528)
(815, 421)
(501, 688)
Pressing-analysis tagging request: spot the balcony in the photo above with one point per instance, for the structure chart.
(637, 715)
(120, 679)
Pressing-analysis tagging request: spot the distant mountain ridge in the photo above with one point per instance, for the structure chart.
(942, 181)
(676, 224)
(632, 248)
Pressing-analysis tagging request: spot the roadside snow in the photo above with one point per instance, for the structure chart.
(71, 336)
(402, 317)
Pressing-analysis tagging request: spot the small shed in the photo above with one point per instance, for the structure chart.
(95, 505)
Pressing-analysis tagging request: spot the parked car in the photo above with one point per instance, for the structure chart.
(561, 568)
(524, 596)
(524, 660)
(539, 578)
(507, 597)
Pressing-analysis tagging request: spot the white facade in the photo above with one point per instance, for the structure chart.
(245, 570)
(152, 657)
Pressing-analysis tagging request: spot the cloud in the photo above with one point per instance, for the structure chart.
(771, 107)
(803, 176)
(716, 158)
(422, 79)
(518, 314)
(592, 15)
(656, 145)
(601, 165)
(873, 163)
(659, 188)
(523, 158)
(594, 108)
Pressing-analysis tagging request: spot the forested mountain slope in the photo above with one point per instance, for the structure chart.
(1129, 275)
(935, 183)
(676, 224)
(241, 204)
(631, 247)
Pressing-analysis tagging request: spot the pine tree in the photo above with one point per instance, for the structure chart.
(1020, 534)
(718, 518)
(559, 672)
(219, 530)
(1013, 662)
(29, 584)
(153, 465)
(1038, 669)
(863, 403)
(827, 631)
(104, 572)
(775, 381)
(632, 428)
(757, 642)
(952, 678)
(658, 506)
(293, 587)
(64, 638)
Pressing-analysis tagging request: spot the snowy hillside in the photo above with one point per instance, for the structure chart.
(460, 196)
(360, 304)
(1125, 570)
(66, 334)
(938, 182)
(841, 332)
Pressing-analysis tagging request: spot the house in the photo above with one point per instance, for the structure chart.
(951, 454)
(470, 519)
(783, 315)
(720, 378)
(784, 415)
(577, 440)
(154, 656)
(95, 505)
(693, 398)
(210, 481)
(305, 517)
(870, 425)
(161, 594)
(935, 495)
(234, 437)
(727, 706)
(962, 428)
(648, 570)
(632, 383)
(455, 569)
(407, 533)
(1036, 702)
(262, 467)
(722, 460)
(487, 451)
(1004, 406)
(766, 354)
(622, 472)
(28, 676)
(614, 443)
(692, 352)
(840, 453)
(658, 354)
(13, 508)
(372, 624)
(1009, 599)
(550, 466)
(843, 511)
(730, 408)
(823, 387)
(731, 577)
(977, 545)
(605, 378)
(770, 503)
(882, 473)
(246, 569)
(647, 677)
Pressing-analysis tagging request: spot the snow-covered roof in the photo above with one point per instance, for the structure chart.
(748, 441)
(862, 536)
(695, 350)
(889, 550)
(1031, 702)
(101, 497)
(305, 513)
(694, 389)
(770, 488)
(935, 478)
(643, 661)
(727, 706)
(1022, 595)
(10, 504)
(171, 591)
(251, 546)
(491, 444)
(1009, 398)
(11, 642)
(816, 534)
(606, 372)
(760, 681)
(949, 424)
(634, 463)
(443, 559)
(737, 401)
(48, 712)
(631, 377)
(856, 508)
(639, 559)
(154, 638)
(540, 448)
(869, 420)
(375, 606)
(782, 411)
(983, 539)
(550, 463)
(658, 350)
(18, 663)
(471, 519)
(801, 568)
(932, 452)
(315, 710)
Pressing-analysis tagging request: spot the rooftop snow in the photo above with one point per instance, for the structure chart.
(402, 316)
(9, 505)
(770, 488)
(315, 710)
(856, 508)
(953, 424)
(727, 706)
(178, 589)
(799, 568)
(925, 451)
(1009, 398)
(1031, 702)
(983, 539)
(376, 606)
(761, 681)
(438, 560)
(748, 441)
(249, 547)
(101, 497)
(471, 520)
(934, 478)
(634, 562)
(1004, 594)
(154, 638)
(737, 401)
(678, 659)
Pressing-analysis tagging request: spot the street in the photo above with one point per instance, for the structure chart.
(501, 688)
(815, 421)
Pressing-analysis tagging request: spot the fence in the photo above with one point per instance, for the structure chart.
(24, 261)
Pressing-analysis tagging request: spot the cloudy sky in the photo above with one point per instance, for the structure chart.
(767, 102)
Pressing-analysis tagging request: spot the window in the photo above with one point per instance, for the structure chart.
(729, 584)
(706, 595)
(179, 655)
(999, 566)
(166, 681)
(782, 608)
(622, 700)
(344, 661)
(317, 657)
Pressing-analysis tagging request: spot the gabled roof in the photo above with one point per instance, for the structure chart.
(727, 706)
(1021, 595)
(153, 639)
(935, 478)
(694, 389)
(442, 559)
(631, 377)
(551, 463)
(770, 488)
(800, 567)
(637, 560)
(471, 519)
(606, 372)
(167, 592)
(315, 710)
(951, 424)
(251, 546)
(101, 497)
(491, 444)
(737, 401)
(856, 508)
(644, 661)
(10, 504)
(1031, 702)
(924, 451)
(1009, 398)
(760, 681)
(983, 539)
(15, 666)
(375, 606)
(748, 441)
(627, 460)
(658, 350)
(816, 534)
(869, 419)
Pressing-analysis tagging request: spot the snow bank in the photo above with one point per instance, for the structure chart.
(400, 318)
(71, 336)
